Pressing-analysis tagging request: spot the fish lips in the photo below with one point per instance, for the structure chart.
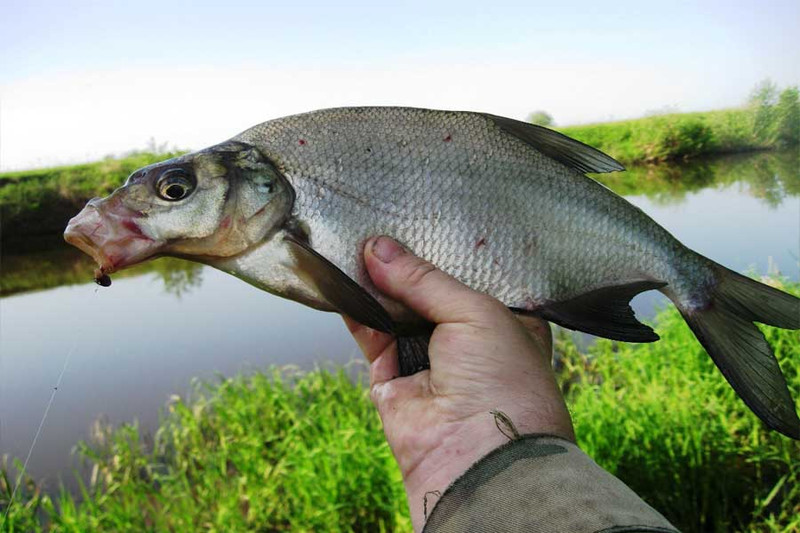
(111, 237)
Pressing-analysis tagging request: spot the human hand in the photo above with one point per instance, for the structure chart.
(439, 422)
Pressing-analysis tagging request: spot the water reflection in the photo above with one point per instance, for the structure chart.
(771, 177)
(62, 264)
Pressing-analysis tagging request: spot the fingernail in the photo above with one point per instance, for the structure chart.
(386, 249)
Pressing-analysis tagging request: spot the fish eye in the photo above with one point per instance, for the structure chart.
(174, 185)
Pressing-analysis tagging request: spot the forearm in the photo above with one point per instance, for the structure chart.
(536, 483)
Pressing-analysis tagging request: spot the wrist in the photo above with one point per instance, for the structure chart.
(443, 457)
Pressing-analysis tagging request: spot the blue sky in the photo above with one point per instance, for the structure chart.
(79, 80)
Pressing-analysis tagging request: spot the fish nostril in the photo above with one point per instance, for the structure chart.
(94, 202)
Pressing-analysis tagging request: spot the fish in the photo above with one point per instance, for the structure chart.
(504, 206)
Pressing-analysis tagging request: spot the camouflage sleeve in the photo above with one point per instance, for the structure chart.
(541, 483)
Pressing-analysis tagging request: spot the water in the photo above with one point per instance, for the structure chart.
(150, 334)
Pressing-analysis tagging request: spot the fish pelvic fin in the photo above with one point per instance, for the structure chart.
(605, 312)
(725, 328)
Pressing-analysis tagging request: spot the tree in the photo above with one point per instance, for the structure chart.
(540, 118)
(763, 100)
(788, 117)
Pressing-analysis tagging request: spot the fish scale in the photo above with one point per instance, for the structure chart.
(502, 201)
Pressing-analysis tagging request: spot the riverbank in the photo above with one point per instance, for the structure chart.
(285, 450)
(36, 204)
(681, 136)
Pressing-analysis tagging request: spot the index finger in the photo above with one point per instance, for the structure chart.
(372, 342)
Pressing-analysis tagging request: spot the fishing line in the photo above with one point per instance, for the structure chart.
(41, 424)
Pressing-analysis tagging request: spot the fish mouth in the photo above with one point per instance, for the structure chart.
(111, 237)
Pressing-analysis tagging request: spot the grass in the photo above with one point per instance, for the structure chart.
(674, 136)
(280, 451)
(662, 418)
(770, 120)
(288, 451)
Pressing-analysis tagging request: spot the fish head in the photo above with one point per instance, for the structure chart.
(211, 204)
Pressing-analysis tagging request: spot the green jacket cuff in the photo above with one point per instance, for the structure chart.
(541, 483)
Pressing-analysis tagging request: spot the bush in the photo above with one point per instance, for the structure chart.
(540, 118)
(788, 113)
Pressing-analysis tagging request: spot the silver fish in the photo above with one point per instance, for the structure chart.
(502, 205)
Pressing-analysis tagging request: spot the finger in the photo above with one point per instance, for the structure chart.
(427, 290)
(392, 396)
(371, 342)
(537, 328)
(384, 367)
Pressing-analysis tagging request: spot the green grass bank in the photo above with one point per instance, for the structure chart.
(284, 450)
(681, 136)
(38, 203)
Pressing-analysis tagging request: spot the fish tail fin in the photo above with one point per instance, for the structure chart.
(725, 327)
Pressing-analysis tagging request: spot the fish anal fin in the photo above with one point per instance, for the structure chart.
(339, 289)
(605, 312)
(558, 146)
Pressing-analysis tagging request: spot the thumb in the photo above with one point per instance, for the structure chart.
(428, 291)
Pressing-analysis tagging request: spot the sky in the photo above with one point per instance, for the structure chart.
(80, 80)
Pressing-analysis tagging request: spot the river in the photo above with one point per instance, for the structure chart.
(125, 350)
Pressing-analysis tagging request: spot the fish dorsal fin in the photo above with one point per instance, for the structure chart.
(339, 289)
(558, 146)
(605, 312)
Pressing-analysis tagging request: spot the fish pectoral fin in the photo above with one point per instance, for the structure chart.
(350, 299)
(605, 312)
(341, 291)
(558, 146)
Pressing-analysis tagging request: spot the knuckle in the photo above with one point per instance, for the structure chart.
(374, 395)
(383, 396)
(419, 272)
(489, 306)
